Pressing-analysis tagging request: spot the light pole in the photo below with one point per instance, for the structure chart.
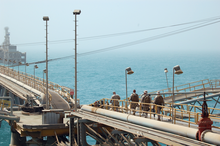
(44, 71)
(19, 63)
(4, 65)
(34, 74)
(76, 12)
(166, 71)
(128, 71)
(8, 65)
(27, 64)
(14, 63)
(0, 58)
(46, 18)
(13, 69)
(178, 71)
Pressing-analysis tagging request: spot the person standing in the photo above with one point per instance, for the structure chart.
(145, 99)
(134, 98)
(158, 101)
(114, 101)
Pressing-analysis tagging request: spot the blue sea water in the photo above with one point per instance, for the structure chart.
(101, 74)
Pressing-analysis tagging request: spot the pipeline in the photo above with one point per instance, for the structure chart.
(208, 136)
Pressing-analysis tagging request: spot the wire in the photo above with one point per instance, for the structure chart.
(135, 42)
(120, 34)
(147, 39)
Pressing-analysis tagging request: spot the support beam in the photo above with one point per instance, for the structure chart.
(215, 104)
(95, 137)
(112, 136)
(108, 138)
(71, 131)
(90, 129)
(129, 143)
(83, 135)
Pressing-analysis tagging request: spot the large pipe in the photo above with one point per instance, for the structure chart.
(209, 136)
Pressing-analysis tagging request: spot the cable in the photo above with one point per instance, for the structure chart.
(135, 42)
(119, 34)
(147, 39)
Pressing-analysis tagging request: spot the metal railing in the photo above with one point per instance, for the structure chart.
(36, 82)
(182, 115)
(193, 86)
(6, 103)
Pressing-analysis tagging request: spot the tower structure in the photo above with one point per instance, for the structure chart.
(9, 53)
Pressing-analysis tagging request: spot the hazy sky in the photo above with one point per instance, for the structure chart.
(101, 17)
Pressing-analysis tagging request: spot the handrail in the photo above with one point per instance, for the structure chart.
(3, 102)
(39, 82)
(184, 115)
(203, 84)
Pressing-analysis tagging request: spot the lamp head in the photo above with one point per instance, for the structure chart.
(165, 70)
(76, 12)
(129, 71)
(27, 64)
(35, 66)
(177, 69)
(46, 18)
(20, 63)
(45, 71)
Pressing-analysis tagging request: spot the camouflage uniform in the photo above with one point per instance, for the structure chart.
(115, 102)
(134, 98)
(159, 101)
(146, 99)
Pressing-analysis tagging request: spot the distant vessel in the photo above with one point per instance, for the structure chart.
(9, 54)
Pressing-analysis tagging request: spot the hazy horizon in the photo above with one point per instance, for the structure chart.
(24, 19)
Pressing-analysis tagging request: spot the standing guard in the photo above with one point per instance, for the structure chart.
(145, 99)
(134, 98)
(115, 102)
(158, 101)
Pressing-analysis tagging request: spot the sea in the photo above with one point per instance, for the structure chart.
(102, 73)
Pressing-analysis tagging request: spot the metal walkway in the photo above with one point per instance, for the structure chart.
(140, 131)
(24, 86)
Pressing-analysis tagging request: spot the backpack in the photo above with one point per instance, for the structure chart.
(134, 97)
(147, 99)
(159, 100)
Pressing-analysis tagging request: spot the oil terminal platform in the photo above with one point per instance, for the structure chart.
(63, 126)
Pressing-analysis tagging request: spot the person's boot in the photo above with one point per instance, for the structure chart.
(158, 119)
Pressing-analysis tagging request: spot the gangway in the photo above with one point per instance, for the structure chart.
(122, 132)
(34, 87)
(140, 134)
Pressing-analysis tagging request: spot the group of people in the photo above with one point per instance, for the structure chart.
(145, 102)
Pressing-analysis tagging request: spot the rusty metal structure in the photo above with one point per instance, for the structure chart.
(9, 54)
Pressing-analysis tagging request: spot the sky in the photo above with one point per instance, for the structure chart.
(103, 17)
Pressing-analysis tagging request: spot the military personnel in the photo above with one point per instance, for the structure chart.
(115, 101)
(145, 99)
(134, 98)
(158, 101)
